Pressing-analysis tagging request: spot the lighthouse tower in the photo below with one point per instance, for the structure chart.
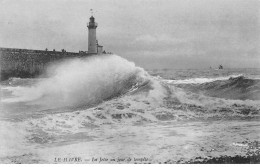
(92, 39)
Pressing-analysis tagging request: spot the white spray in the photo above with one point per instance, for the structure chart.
(82, 81)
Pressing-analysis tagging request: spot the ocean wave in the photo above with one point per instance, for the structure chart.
(110, 89)
(109, 103)
(133, 97)
(238, 87)
(151, 103)
(201, 80)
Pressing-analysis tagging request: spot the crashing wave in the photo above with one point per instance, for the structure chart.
(85, 81)
(120, 91)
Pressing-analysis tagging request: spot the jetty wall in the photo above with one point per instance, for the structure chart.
(25, 63)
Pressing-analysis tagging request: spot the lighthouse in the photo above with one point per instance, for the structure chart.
(92, 39)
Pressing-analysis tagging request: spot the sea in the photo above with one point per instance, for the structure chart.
(105, 109)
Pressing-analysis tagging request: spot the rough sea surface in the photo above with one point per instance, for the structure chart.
(104, 109)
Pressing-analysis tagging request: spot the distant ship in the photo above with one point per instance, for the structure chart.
(220, 67)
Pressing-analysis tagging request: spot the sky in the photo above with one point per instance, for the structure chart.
(152, 33)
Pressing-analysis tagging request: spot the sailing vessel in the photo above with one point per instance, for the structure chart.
(220, 67)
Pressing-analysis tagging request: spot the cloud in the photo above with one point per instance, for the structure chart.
(158, 39)
(169, 30)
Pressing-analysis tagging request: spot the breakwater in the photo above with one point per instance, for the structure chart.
(26, 63)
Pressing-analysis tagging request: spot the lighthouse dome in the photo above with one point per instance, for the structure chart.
(92, 19)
